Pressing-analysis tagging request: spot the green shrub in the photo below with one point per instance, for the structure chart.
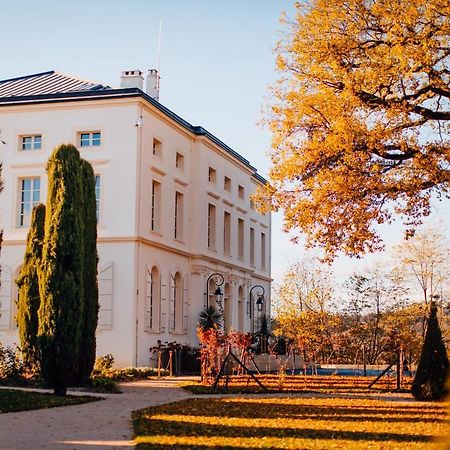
(103, 364)
(103, 384)
(134, 373)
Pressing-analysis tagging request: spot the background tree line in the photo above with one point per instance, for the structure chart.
(378, 311)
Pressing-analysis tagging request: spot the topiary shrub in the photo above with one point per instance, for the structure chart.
(61, 272)
(429, 381)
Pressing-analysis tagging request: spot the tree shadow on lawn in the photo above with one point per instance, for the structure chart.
(147, 424)
(176, 429)
(253, 408)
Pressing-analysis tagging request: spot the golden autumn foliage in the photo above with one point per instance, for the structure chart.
(360, 119)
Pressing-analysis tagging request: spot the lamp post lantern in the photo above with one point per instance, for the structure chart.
(218, 294)
(259, 301)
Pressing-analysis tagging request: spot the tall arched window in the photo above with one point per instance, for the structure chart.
(227, 309)
(241, 302)
(152, 299)
(177, 300)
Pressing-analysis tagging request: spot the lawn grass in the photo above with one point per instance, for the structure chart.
(244, 384)
(13, 400)
(290, 423)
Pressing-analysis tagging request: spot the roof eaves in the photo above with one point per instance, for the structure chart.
(129, 92)
(260, 178)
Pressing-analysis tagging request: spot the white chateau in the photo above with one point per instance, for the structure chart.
(173, 207)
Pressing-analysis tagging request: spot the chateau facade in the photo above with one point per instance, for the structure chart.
(173, 208)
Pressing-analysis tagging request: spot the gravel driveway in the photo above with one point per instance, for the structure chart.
(104, 424)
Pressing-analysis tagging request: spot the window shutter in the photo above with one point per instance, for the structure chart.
(105, 297)
(6, 298)
(186, 309)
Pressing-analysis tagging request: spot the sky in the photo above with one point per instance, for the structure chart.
(216, 62)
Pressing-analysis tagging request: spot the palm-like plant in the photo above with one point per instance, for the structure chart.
(210, 318)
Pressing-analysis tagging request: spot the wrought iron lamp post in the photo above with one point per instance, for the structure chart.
(218, 294)
(259, 301)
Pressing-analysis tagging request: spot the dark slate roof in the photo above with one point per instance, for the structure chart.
(53, 86)
(45, 83)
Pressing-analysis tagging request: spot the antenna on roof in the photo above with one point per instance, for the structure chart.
(152, 88)
(158, 55)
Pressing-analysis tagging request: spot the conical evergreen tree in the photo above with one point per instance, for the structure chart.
(86, 357)
(28, 284)
(61, 274)
(432, 370)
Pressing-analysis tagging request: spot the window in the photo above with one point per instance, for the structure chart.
(211, 226)
(252, 203)
(241, 301)
(177, 303)
(156, 206)
(226, 233)
(227, 184)
(97, 196)
(29, 197)
(241, 192)
(179, 161)
(157, 147)
(93, 139)
(252, 246)
(263, 251)
(212, 175)
(152, 299)
(178, 228)
(33, 142)
(241, 239)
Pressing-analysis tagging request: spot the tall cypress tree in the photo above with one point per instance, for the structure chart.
(433, 367)
(28, 283)
(86, 357)
(61, 273)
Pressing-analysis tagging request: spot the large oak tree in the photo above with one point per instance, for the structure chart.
(360, 119)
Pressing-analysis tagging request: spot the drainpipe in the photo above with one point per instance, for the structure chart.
(137, 234)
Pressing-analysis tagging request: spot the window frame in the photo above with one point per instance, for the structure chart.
(157, 147)
(98, 191)
(179, 161)
(227, 183)
(211, 227)
(212, 175)
(21, 223)
(91, 140)
(33, 147)
(155, 205)
(178, 232)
